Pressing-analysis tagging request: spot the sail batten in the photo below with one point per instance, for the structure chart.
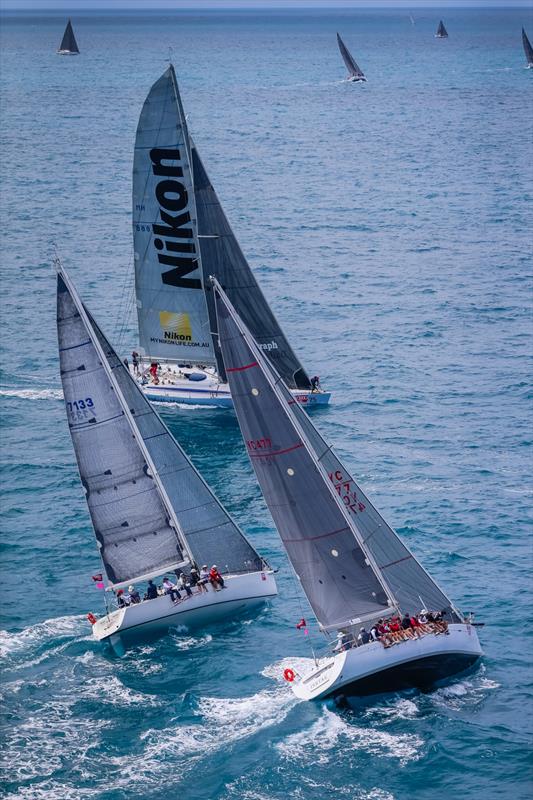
(407, 585)
(353, 68)
(144, 517)
(171, 305)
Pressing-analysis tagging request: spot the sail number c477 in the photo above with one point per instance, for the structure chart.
(344, 489)
(174, 242)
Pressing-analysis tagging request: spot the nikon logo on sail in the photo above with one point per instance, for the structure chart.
(173, 197)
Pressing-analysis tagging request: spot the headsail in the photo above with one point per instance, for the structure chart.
(150, 508)
(353, 69)
(264, 418)
(528, 50)
(68, 42)
(171, 304)
(336, 572)
(442, 33)
(223, 258)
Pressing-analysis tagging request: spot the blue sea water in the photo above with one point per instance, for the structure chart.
(390, 226)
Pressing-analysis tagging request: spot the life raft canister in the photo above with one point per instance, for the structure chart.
(91, 618)
(288, 674)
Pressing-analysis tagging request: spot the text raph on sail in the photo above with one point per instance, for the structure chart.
(355, 73)
(181, 235)
(69, 45)
(153, 514)
(351, 564)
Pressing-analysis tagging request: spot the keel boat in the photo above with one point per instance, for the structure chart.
(528, 50)
(352, 566)
(355, 73)
(442, 33)
(69, 45)
(181, 235)
(151, 511)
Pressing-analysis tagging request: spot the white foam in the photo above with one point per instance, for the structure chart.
(12, 643)
(190, 642)
(110, 690)
(332, 738)
(400, 708)
(33, 394)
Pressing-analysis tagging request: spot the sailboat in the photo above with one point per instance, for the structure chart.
(69, 45)
(355, 73)
(528, 50)
(151, 511)
(442, 33)
(181, 236)
(350, 563)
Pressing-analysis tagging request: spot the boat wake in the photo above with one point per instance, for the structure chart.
(33, 394)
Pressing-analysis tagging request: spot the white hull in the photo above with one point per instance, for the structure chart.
(373, 668)
(67, 53)
(174, 386)
(241, 592)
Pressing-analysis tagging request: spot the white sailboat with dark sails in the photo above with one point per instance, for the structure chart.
(528, 50)
(442, 33)
(181, 235)
(152, 512)
(355, 73)
(69, 45)
(352, 566)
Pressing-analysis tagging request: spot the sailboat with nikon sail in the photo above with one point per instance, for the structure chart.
(351, 564)
(151, 510)
(181, 236)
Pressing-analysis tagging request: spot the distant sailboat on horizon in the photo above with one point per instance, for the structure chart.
(69, 45)
(355, 73)
(528, 50)
(442, 33)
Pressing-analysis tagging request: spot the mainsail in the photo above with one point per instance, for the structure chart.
(353, 69)
(303, 482)
(151, 510)
(223, 258)
(68, 42)
(528, 50)
(171, 303)
(442, 33)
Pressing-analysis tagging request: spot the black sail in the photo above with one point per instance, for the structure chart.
(528, 50)
(442, 33)
(351, 65)
(68, 42)
(222, 258)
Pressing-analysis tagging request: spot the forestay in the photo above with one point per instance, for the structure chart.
(144, 522)
(351, 65)
(319, 536)
(171, 304)
(68, 42)
(406, 580)
(223, 258)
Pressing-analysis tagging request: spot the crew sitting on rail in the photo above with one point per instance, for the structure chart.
(216, 579)
(364, 637)
(151, 591)
(197, 581)
(134, 595)
(183, 583)
(171, 589)
(344, 642)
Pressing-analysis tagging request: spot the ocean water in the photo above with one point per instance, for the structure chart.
(390, 226)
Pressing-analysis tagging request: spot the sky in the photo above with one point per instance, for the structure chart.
(71, 6)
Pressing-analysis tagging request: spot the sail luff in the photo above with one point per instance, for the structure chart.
(528, 49)
(88, 322)
(301, 517)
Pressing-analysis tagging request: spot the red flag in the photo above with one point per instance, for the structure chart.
(301, 624)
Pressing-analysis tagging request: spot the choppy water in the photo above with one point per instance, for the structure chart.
(390, 226)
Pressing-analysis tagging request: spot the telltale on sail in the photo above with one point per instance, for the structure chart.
(69, 45)
(181, 235)
(350, 563)
(151, 511)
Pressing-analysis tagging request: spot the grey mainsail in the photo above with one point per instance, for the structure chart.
(351, 65)
(68, 42)
(336, 572)
(223, 258)
(171, 303)
(528, 50)
(261, 416)
(442, 33)
(150, 508)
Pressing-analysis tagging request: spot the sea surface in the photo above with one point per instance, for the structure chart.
(390, 227)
